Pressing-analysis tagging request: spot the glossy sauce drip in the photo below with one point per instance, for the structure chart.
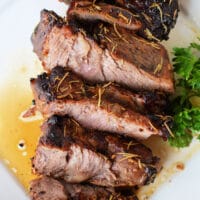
(13, 131)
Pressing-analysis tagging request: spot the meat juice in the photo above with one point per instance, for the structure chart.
(18, 138)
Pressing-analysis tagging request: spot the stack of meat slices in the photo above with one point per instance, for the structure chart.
(105, 89)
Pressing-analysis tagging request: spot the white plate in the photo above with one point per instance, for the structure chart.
(17, 20)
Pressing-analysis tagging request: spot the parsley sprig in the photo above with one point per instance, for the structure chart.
(186, 102)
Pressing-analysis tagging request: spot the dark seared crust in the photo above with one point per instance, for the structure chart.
(121, 56)
(61, 132)
(126, 45)
(43, 29)
(120, 154)
(63, 87)
(76, 88)
(157, 16)
(47, 188)
(87, 10)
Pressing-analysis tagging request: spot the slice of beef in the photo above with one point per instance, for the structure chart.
(87, 10)
(47, 188)
(157, 17)
(102, 53)
(68, 151)
(106, 107)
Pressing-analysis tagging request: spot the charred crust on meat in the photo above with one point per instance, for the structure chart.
(64, 132)
(154, 99)
(52, 18)
(49, 20)
(43, 82)
(47, 187)
(87, 10)
(157, 17)
(100, 32)
(63, 84)
(63, 81)
(165, 123)
(114, 39)
(123, 47)
(151, 172)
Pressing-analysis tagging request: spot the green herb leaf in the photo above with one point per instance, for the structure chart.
(185, 105)
(194, 80)
(181, 141)
(184, 61)
(186, 125)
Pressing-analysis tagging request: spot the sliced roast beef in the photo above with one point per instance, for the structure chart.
(157, 17)
(68, 151)
(102, 53)
(87, 10)
(104, 107)
(47, 188)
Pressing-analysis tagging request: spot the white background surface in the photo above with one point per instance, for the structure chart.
(17, 20)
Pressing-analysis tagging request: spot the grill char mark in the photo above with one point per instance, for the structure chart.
(103, 56)
(46, 188)
(69, 151)
(62, 92)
